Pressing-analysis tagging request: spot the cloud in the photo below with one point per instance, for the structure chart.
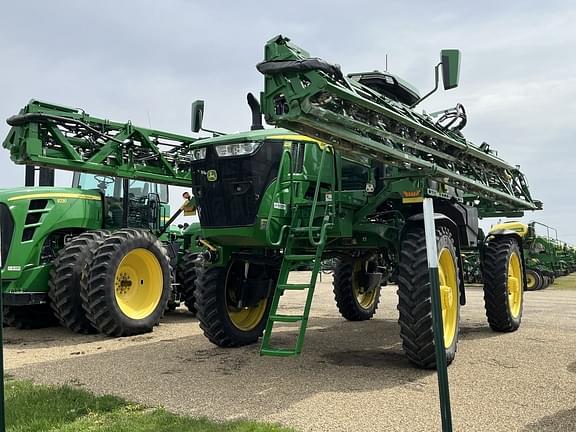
(150, 60)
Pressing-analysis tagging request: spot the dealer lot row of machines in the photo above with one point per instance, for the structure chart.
(342, 176)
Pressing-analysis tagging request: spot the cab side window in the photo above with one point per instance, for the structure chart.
(354, 175)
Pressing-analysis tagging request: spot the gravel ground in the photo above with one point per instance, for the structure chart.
(351, 376)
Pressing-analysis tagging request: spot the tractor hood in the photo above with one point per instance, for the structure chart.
(10, 196)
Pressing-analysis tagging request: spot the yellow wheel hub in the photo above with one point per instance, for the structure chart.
(530, 281)
(365, 299)
(246, 318)
(138, 284)
(514, 285)
(448, 295)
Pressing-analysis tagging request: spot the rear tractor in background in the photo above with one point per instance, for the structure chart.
(99, 256)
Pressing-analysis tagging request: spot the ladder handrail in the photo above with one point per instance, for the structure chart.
(324, 227)
(285, 154)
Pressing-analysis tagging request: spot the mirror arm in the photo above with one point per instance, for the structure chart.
(436, 81)
(213, 132)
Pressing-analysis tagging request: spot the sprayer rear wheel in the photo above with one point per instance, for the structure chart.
(414, 296)
(354, 301)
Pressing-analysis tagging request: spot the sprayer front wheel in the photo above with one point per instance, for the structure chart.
(222, 320)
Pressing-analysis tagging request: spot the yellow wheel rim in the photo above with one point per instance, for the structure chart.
(246, 318)
(365, 299)
(530, 281)
(514, 285)
(138, 284)
(448, 295)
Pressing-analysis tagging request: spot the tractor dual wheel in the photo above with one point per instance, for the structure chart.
(29, 317)
(69, 269)
(414, 296)
(187, 280)
(503, 284)
(223, 319)
(128, 286)
(356, 294)
(534, 280)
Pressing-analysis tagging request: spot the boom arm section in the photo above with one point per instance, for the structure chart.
(54, 136)
(313, 97)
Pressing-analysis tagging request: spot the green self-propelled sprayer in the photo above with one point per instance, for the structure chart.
(344, 180)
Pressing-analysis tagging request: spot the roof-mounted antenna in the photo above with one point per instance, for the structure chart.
(386, 67)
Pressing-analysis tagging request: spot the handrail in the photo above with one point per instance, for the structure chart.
(286, 153)
(325, 225)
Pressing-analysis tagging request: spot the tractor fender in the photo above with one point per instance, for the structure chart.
(443, 220)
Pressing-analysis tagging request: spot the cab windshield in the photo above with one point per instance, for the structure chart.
(112, 186)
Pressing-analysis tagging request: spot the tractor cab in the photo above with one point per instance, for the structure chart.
(127, 203)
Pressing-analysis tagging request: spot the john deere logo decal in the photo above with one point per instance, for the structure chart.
(212, 175)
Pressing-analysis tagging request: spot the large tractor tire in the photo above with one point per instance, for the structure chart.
(222, 320)
(70, 267)
(128, 286)
(29, 317)
(356, 294)
(503, 284)
(534, 280)
(414, 296)
(187, 280)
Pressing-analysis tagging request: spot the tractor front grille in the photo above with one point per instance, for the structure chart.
(228, 190)
(6, 232)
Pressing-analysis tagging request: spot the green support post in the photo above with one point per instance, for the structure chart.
(2, 415)
(441, 367)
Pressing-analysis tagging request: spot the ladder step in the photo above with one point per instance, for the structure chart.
(297, 287)
(278, 352)
(286, 318)
(299, 257)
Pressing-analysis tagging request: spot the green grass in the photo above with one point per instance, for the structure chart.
(34, 408)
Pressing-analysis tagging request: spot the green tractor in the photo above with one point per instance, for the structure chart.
(96, 256)
(545, 257)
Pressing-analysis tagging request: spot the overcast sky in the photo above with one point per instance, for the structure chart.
(146, 61)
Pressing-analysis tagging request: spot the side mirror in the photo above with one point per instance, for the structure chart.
(153, 201)
(450, 59)
(197, 115)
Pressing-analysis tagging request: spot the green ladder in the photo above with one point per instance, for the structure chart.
(301, 238)
(292, 259)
